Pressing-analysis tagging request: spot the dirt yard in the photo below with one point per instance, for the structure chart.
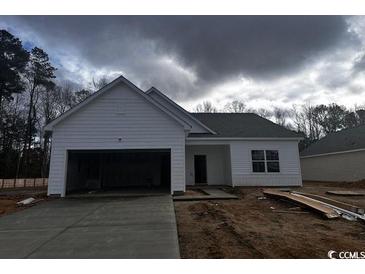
(255, 228)
(10, 197)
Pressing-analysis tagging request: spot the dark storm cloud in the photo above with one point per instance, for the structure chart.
(215, 48)
(256, 45)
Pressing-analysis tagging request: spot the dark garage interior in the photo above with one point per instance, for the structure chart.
(118, 170)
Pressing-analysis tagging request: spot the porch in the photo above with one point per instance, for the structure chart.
(208, 165)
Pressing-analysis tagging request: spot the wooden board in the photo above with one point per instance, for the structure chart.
(349, 207)
(347, 193)
(304, 201)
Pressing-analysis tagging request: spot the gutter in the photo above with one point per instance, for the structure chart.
(244, 139)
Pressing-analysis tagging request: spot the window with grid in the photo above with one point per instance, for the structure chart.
(265, 161)
(258, 160)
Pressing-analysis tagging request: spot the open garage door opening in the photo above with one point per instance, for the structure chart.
(89, 170)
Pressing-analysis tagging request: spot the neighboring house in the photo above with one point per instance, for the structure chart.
(123, 137)
(338, 157)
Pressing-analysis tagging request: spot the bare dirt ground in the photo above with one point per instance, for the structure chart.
(253, 228)
(10, 197)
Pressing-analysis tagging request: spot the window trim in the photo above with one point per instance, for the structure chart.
(265, 162)
(258, 161)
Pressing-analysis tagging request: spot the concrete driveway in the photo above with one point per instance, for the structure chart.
(142, 227)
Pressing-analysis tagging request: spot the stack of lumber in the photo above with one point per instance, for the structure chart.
(326, 206)
(346, 193)
(304, 201)
(333, 202)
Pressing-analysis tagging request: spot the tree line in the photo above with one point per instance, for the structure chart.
(30, 97)
(313, 122)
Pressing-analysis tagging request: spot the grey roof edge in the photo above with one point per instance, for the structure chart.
(332, 153)
(307, 152)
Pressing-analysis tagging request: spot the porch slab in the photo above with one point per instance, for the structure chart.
(211, 194)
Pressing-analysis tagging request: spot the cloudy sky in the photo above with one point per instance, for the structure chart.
(264, 61)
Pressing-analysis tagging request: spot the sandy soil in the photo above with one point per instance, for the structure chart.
(253, 228)
(9, 199)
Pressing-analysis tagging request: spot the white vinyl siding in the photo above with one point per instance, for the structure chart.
(118, 113)
(218, 164)
(342, 167)
(241, 164)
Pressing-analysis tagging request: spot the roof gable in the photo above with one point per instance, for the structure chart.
(161, 98)
(94, 96)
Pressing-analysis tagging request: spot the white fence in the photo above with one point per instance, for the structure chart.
(23, 182)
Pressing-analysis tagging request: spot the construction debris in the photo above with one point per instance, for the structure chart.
(26, 202)
(336, 203)
(349, 215)
(304, 201)
(346, 193)
(329, 207)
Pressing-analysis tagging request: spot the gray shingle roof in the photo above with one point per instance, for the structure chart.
(347, 139)
(246, 125)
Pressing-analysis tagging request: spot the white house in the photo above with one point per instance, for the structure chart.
(123, 137)
(338, 157)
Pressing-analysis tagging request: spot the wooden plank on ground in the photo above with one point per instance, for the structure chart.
(349, 207)
(346, 192)
(317, 206)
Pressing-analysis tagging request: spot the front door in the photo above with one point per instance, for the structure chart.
(200, 169)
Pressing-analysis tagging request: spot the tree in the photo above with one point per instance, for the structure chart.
(262, 112)
(39, 75)
(351, 120)
(299, 119)
(49, 111)
(206, 106)
(98, 84)
(81, 95)
(14, 124)
(281, 116)
(302, 117)
(13, 59)
(331, 118)
(235, 107)
(65, 96)
(360, 113)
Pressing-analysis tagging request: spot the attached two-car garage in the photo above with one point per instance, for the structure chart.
(118, 169)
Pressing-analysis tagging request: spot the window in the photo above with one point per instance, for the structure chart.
(265, 161)
(272, 161)
(258, 160)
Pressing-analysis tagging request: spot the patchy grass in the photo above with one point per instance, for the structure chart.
(254, 228)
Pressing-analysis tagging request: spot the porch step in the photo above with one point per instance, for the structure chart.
(211, 194)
